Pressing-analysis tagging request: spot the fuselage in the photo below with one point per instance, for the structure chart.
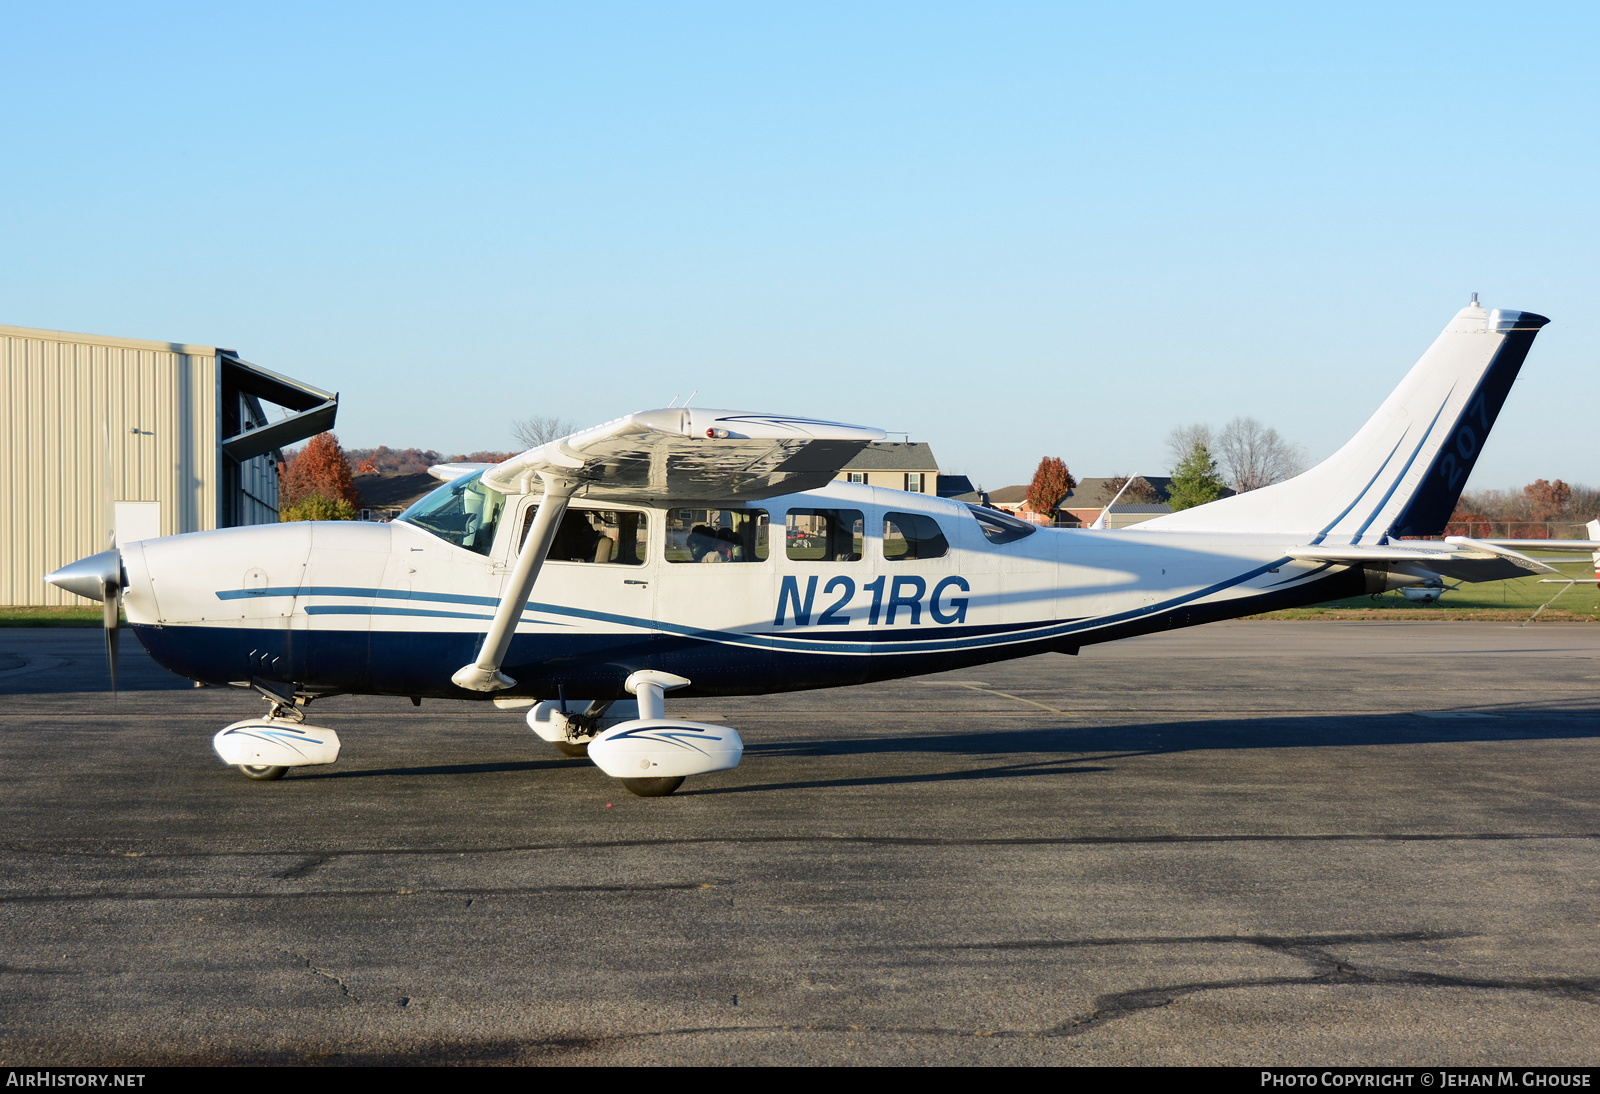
(819, 589)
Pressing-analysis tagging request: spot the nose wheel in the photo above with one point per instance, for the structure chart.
(263, 772)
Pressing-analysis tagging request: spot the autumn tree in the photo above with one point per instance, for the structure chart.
(319, 469)
(1546, 500)
(317, 507)
(1051, 482)
(1195, 480)
(1466, 521)
(392, 461)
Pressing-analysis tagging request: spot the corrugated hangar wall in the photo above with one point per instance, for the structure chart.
(189, 445)
(66, 396)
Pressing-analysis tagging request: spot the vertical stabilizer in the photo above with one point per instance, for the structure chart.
(1402, 474)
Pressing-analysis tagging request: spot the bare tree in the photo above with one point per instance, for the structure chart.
(541, 429)
(1183, 438)
(1254, 455)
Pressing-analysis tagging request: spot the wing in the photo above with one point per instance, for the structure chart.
(1458, 557)
(450, 472)
(691, 455)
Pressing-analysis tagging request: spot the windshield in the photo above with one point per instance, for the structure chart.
(464, 512)
(1001, 527)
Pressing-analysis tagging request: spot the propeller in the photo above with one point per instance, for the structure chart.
(111, 586)
(98, 577)
(112, 597)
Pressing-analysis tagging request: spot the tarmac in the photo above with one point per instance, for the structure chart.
(1262, 843)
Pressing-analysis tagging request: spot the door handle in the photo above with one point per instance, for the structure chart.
(631, 581)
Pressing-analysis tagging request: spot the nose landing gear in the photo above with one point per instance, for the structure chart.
(263, 749)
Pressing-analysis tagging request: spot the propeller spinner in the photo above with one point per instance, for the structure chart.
(98, 577)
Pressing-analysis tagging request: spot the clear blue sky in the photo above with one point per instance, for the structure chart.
(1010, 230)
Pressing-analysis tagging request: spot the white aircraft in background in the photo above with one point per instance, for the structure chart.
(572, 579)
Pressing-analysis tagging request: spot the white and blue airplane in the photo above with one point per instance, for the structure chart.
(571, 581)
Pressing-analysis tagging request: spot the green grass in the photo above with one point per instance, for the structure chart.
(71, 616)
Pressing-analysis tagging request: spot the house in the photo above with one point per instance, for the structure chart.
(898, 465)
(1084, 503)
(1014, 500)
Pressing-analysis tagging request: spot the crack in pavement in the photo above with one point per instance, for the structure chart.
(1008, 695)
(1329, 971)
(27, 970)
(303, 868)
(350, 995)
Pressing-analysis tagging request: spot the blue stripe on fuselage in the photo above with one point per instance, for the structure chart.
(896, 642)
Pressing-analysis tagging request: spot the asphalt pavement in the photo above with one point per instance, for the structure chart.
(1253, 843)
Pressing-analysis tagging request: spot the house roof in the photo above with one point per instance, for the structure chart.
(1009, 495)
(1100, 491)
(894, 456)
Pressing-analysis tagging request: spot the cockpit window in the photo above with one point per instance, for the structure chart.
(1001, 527)
(716, 535)
(463, 512)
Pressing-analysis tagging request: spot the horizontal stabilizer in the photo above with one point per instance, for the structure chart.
(1459, 558)
(1542, 544)
(682, 454)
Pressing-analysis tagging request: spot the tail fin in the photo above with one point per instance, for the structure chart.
(1402, 474)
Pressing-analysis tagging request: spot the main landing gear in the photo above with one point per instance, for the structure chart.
(633, 740)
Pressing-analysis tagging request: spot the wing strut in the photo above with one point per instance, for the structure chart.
(484, 674)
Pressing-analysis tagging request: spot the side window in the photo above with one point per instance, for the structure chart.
(595, 535)
(911, 535)
(857, 476)
(716, 535)
(824, 535)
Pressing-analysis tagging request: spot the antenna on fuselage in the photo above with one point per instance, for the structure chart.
(1105, 514)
